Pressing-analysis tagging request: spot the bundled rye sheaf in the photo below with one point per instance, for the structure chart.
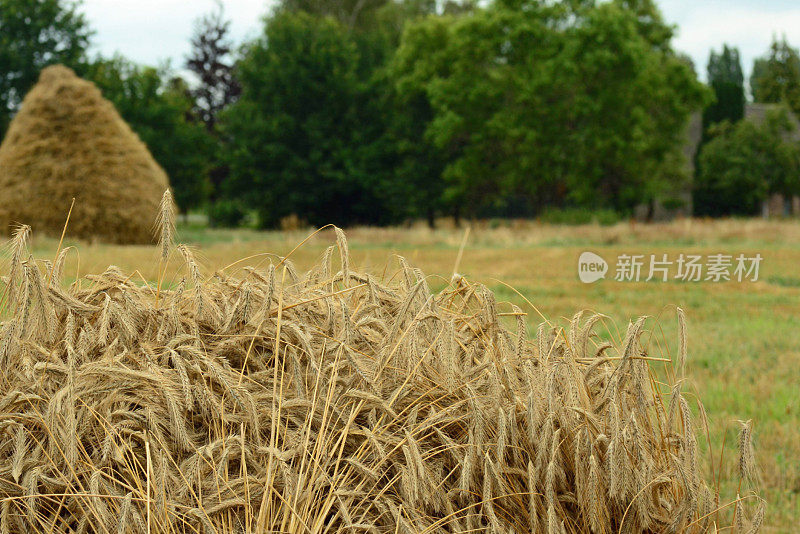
(330, 401)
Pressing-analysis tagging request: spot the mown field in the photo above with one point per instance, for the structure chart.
(744, 337)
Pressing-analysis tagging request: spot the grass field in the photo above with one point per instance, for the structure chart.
(744, 337)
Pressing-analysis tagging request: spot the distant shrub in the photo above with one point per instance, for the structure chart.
(575, 216)
(227, 214)
(674, 203)
(495, 223)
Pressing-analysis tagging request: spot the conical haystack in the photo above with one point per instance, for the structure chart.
(66, 142)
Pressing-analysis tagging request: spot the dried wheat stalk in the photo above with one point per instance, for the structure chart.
(276, 402)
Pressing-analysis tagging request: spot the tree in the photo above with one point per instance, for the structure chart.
(34, 34)
(419, 162)
(727, 82)
(556, 103)
(307, 135)
(402, 173)
(211, 60)
(349, 13)
(158, 108)
(776, 76)
(746, 162)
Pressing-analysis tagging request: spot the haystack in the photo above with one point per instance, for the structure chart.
(68, 142)
(268, 400)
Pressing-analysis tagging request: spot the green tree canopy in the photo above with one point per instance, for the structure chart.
(776, 76)
(560, 103)
(307, 137)
(349, 13)
(34, 34)
(745, 162)
(158, 108)
(727, 82)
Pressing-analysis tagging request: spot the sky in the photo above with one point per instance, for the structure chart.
(152, 31)
(747, 24)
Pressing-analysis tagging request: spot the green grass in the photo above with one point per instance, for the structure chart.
(744, 338)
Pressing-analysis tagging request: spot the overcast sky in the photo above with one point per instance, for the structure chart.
(151, 31)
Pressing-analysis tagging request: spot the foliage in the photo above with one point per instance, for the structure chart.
(746, 162)
(158, 108)
(212, 62)
(563, 104)
(34, 34)
(419, 162)
(350, 14)
(727, 81)
(307, 133)
(226, 213)
(576, 216)
(776, 76)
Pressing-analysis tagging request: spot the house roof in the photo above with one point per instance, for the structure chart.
(755, 112)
